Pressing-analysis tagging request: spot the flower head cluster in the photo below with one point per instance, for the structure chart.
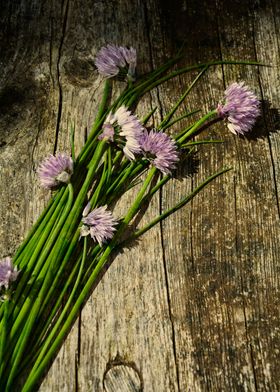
(160, 149)
(54, 170)
(125, 128)
(112, 60)
(99, 223)
(241, 108)
(8, 273)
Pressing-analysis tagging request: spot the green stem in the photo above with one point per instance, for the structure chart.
(197, 125)
(39, 255)
(37, 374)
(72, 142)
(145, 119)
(36, 259)
(189, 68)
(55, 284)
(4, 330)
(95, 255)
(101, 182)
(86, 289)
(198, 142)
(169, 115)
(177, 119)
(23, 339)
(109, 164)
(135, 206)
(47, 322)
(102, 111)
(74, 216)
(38, 228)
(104, 102)
(64, 238)
(33, 245)
(120, 180)
(32, 379)
(179, 205)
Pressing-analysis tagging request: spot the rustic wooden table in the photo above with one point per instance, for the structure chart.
(194, 306)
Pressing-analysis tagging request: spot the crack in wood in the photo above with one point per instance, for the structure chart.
(265, 122)
(65, 11)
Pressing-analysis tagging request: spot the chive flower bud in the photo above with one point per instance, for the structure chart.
(55, 170)
(125, 129)
(8, 273)
(160, 149)
(241, 107)
(99, 224)
(112, 60)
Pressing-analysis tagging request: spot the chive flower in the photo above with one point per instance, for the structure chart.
(241, 107)
(55, 170)
(160, 149)
(125, 129)
(99, 224)
(8, 273)
(112, 60)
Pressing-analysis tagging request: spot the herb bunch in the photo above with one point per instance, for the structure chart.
(45, 284)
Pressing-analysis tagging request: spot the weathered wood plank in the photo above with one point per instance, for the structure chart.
(229, 245)
(257, 209)
(32, 36)
(193, 307)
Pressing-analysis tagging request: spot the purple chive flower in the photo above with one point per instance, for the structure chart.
(108, 132)
(241, 108)
(123, 127)
(160, 149)
(54, 170)
(112, 60)
(8, 273)
(99, 223)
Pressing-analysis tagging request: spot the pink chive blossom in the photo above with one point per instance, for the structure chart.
(8, 273)
(99, 223)
(160, 150)
(112, 60)
(55, 170)
(124, 128)
(241, 108)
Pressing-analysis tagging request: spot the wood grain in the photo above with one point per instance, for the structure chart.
(194, 306)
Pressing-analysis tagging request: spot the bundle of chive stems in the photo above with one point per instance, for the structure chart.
(56, 265)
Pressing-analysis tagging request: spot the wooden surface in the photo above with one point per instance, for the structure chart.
(195, 305)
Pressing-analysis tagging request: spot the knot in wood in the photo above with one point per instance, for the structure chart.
(122, 378)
